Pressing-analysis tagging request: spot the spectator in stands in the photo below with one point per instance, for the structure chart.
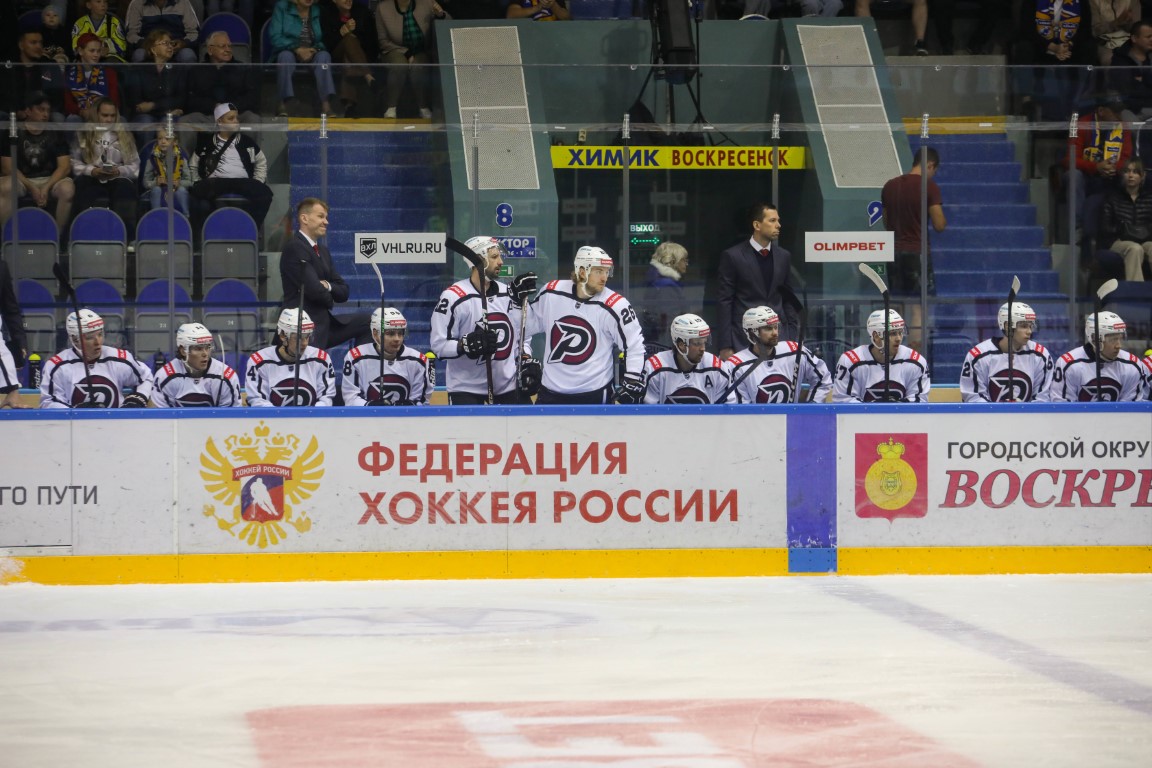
(245, 9)
(1103, 147)
(919, 22)
(297, 39)
(665, 295)
(1111, 24)
(14, 350)
(158, 90)
(155, 181)
(106, 164)
(1133, 76)
(350, 34)
(826, 8)
(538, 10)
(43, 165)
(37, 74)
(89, 80)
(221, 81)
(304, 261)
(901, 200)
(1059, 51)
(176, 17)
(406, 44)
(1126, 221)
(106, 26)
(980, 41)
(57, 41)
(227, 163)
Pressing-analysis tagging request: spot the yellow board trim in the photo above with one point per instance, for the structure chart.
(957, 561)
(370, 566)
(957, 125)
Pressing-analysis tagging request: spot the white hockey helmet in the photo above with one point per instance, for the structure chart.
(688, 327)
(1110, 323)
(289, 319)
(876, 322)
(388, 319)
(89, 322)
(590, 256)
(482, 245)
(759, 317)
(1021, 313)
(192, 335)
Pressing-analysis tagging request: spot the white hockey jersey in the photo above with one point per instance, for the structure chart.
(770, 381)
(457, 314)
(9, 376)
(403, 380)
(176, 387)
(860, 377)
(1074, 378)
(66, 384)
(580, 337)
(984, 377)
(705, 384)
(271, 379)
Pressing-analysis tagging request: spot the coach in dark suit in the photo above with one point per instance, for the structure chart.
(305, 260)
(755, 273)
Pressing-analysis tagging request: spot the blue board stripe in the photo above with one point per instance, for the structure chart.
(812, 492)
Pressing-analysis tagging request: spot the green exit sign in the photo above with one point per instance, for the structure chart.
(507, 271)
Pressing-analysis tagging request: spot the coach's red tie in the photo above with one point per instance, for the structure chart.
(764, 252)
(316, 248)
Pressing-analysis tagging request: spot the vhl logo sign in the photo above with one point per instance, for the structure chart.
(367, 247)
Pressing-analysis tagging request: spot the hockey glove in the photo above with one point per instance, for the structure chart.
(378, 402)
(480, 343)
(135, 400)
(631, 390)
(530, 372)
(521, 288)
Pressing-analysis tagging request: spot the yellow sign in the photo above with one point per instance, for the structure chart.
(680, 158)
(261, 478)
(891, 481)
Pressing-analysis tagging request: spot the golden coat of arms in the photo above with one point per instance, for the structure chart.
(891, 481)
(261, 478)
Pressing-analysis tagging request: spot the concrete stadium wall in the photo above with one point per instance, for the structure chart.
(333, 494)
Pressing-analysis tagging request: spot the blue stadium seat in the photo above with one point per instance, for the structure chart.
(41, 318)
(99, 248)
(230, 249)
(154, 330)
(103, 298)
(152, 248)
(39, 246)
(238, 33)
(232, 312)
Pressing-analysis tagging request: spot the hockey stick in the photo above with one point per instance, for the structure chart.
(479, 265)
(1101, 292)
(380, 277)
(519, 348)
(66, 286)
(1010, 342)
(752, 365)
(299, 330)
(878, 281)
(803, 312)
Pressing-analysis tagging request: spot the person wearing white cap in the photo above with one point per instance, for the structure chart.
(228, 163)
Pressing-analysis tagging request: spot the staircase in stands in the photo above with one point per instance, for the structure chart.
(992, 235)
(378, 181)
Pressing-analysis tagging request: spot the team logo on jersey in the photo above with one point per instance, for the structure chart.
(502, 325)
(876, 392)
(1001, 389)
(195, 400)
(96, 389)
(572, 341)
(889, 468)
(288, 394)
(367, 247)
(687, 396)
(390, 388)
(262, 479)
(774, 388)
(1103, 389)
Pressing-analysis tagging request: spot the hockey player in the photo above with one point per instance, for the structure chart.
(984, 377)
(91, 375)
(860, 371)
(765, 371)
(473, 344)
(1122, 375)
(583, 321)
(195, 379)
(687, 374)
(386, 372)
(272, 372)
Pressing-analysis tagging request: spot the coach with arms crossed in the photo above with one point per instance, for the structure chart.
(753, 273)
(305, 260)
